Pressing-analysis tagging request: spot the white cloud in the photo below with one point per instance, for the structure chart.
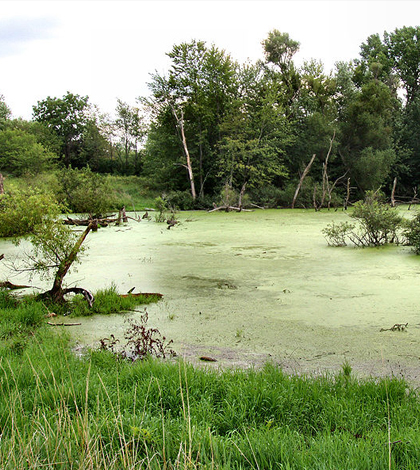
(107, 49)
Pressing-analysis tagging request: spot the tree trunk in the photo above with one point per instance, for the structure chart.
(56, 293)
(180, 122)
(1, 184)
(306, 171)
(393, 192)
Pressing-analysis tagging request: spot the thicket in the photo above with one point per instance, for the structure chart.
(96, 410)
(375, 224)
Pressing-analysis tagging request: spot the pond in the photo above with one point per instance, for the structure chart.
(249, 287)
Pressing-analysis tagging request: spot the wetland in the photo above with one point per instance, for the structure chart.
(251, 287)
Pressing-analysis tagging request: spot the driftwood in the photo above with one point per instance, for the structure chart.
(102, 222)
(229, 208)
(2, 256)
(207, 359)
(142, 294)
(396, 327)
(62, 324)
(9, 285)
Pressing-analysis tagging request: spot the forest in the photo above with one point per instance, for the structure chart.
(256, 131)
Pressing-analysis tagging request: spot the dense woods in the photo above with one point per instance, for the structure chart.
(269, 133)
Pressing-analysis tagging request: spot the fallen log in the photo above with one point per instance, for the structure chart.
(9, 285)
(143, 294)
(229, 208)
(62, 324)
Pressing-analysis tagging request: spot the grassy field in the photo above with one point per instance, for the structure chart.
(63, 410)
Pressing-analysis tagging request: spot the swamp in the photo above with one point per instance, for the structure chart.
(254, 287)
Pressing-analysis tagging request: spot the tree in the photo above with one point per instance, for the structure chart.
(20, 153)
(255, 134)
(130, 131)
(189, 104)
(5, 112)
(68, 118)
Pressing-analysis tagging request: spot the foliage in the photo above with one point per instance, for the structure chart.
(336, 234)
(412, 233)
(71, 120)
(84, 191)
(22, 211)
(377, 224)
(20, 153)
(141, 343)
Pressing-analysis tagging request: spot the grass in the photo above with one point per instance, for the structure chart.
(61, 411)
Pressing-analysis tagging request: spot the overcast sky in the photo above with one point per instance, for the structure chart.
(107, 49)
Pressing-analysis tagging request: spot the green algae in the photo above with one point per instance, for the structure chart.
(269, 275)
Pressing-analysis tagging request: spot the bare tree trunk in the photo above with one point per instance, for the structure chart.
(241, 195)
(325, 181)
(188, 166)
(393, 192)
(1, 184)
(346, 202)
(305, 172)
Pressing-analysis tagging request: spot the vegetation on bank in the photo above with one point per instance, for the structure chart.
(62, 410)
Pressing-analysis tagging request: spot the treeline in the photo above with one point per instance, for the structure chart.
(213, 128)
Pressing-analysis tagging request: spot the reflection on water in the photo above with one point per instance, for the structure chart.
(263, 281)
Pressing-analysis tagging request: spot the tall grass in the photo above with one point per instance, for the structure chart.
(61, 411)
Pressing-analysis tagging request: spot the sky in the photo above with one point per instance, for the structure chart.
(108, 49)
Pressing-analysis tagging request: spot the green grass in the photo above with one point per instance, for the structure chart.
(62, 411)
(108, 301)
(133, 192)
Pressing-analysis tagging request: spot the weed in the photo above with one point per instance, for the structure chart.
(141, 342)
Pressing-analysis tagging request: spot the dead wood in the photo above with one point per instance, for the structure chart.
(394, 185)
(62, 324)
(396, 327)
(229, 208)
(9, 285)
(142, 294)
(1, 256)
(305, 172)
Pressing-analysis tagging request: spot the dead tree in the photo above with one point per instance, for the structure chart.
(393, 204)
(188, 166)
(305, 172)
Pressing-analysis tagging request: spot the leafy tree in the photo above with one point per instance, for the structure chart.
(20, 153)
(22, 211)
(256, 134)
(190, 105)
(130, 131)
(68, 118)
(83, 191)
(366, 135)
(5, 112)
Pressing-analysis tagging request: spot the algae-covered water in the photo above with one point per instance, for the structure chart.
(249, 287)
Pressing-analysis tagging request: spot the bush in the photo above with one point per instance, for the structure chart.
(412, 233)
(22, 211)
(86, 192)
(378, 224)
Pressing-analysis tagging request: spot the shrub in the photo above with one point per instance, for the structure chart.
(86, 192)
(412, 233)
(378, 224)
(22, 211)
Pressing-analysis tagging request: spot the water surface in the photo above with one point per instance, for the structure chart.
(254, 286)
